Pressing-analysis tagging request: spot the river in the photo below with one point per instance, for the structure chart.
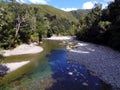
(50, 70)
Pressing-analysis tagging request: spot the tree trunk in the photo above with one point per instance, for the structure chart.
(17, 31)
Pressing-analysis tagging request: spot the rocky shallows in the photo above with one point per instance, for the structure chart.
(100, 60)
(61, 38)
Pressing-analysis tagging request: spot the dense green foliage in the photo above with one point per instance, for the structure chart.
(22, 23)
(101, 26)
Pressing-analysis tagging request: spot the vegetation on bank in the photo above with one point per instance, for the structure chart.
(22, 23)
(101, 26)
(12, 79)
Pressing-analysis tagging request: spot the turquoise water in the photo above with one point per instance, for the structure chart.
(54, 72)
(58, 74)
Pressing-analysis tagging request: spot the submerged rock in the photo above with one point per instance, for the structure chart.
(85, 84)
(70, 73)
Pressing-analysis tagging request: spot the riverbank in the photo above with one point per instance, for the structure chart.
(100, 60)
(20, 50)
(14, 66)
(23, 49)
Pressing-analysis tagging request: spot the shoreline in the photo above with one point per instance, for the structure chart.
(66, 38)
(20, 50)
(100, 60)
(14, 66)
(23, 49)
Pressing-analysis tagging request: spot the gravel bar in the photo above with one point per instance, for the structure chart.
(100, 60)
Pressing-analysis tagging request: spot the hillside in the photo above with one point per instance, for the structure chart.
(80, 12)
(46, 9)
(23, 23)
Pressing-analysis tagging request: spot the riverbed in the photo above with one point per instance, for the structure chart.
(102, 61)
(50, 70)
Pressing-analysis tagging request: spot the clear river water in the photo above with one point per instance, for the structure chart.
(54, 72)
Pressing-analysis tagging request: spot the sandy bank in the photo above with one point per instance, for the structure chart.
(15, 66)
(23, 49)
(60, 38)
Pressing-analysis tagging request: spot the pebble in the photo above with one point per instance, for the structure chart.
(103, 61)
(70, 73)
(85, 84)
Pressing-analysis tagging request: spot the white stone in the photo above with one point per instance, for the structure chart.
(70, 73)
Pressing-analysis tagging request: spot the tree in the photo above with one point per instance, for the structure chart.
(22, 21)
(6, 26)
(55, 30)
(40, 30)
(89, 24)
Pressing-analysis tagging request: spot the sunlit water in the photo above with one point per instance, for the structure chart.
(56, 73)
(71, 76)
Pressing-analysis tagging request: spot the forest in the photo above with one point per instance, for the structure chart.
(23, 23)
(82, 54)
(101, 26)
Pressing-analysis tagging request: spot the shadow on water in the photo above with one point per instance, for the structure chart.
(69, 76)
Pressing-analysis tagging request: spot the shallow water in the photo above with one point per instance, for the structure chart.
(58, 74)
(54, 72)
(71, 76)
